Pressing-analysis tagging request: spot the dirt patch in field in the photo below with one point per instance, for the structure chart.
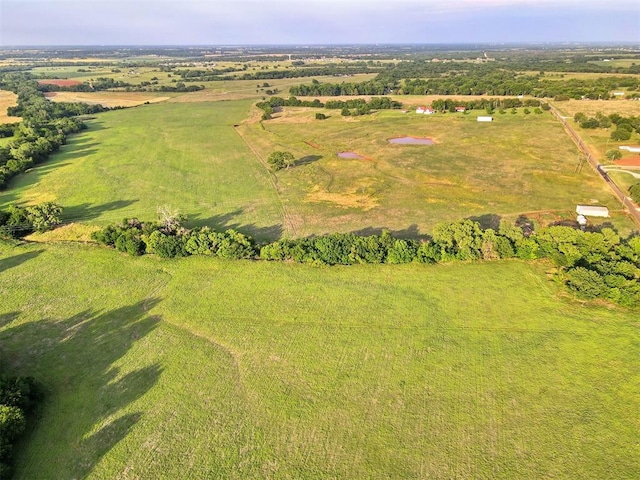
(8, 99)
(351, 199)
(107, 99)
(314, 145)
(60, 82)
(629, 161)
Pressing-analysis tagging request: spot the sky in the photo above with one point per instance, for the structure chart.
(308, 22)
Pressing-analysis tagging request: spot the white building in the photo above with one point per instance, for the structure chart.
(485, 119)
(630, 149)
(592, 211)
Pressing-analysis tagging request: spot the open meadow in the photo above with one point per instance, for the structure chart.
(189, 156)
(518, 164)
(130, 162)
(200, 368)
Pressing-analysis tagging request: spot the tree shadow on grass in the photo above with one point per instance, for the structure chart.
(16, 260)
(88, 211)
(489, 220)
(411, 232)
(307, 160)
(227, 221)
(76, 360)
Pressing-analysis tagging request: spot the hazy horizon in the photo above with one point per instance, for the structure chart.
(316, 22)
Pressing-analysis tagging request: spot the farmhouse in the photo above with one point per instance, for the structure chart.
(425, 110)
(485, 119)
(592, 211)
(421, 109)
(461, 109)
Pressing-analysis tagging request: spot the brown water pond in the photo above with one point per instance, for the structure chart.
(412, 141)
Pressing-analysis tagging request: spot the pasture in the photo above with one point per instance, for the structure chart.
(130, 162)
(188, 155)
(518, 164)
(200, 368)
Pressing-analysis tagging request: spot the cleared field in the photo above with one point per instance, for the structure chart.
(623, 107)
(515, 165)
(253, 89)
(253, 370)
(108, 99)
(130, 162)
(7, 99)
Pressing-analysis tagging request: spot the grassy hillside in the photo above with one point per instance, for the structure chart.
(199, 368)
(129, 162)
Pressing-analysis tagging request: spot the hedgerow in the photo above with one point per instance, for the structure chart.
(597, 264)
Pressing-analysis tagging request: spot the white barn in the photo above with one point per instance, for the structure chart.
(630, 149)
(592, 211)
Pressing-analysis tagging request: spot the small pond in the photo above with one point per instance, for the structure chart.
(412, 141)
(350, 155)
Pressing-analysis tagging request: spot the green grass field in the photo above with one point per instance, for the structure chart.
(189, 156)
(200, 368)
(129, 162)
(517, 164)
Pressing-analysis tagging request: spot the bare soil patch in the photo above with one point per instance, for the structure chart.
(60, 82)
(107, 99)
(7, 99)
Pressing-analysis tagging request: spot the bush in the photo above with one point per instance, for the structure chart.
(280, 160)
(634, 191)
(586, 283)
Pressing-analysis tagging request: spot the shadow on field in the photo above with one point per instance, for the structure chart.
(72, 152)
(307, 160)
(489, 220)
(226, 221)
(10, 262)
(6, 319)
(27, 179)
(77, 361)
(412, 232)
(87, 211)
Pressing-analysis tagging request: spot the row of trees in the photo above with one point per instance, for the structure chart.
(44, 128)
(488, 104)
(357, 106)
(16, 221)
(591, 264)
(18, 398)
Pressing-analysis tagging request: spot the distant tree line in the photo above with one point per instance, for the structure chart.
(357, 106)
(212, 75)
(590, 264)
(18, 398)
(465, 78)
(44, 127)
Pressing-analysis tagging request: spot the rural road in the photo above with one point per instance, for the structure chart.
(624, 199)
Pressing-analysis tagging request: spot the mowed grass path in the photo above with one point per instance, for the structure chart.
(517, 164)
(130, 162)
(207, 369)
